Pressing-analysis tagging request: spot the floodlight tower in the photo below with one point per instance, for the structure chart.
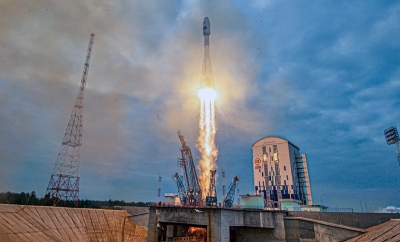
(392, 137)
(64, 181)
(159, 188)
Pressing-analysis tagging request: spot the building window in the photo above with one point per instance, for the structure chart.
(264, 150)
(284, 168)
(284, 182)
(269, 149)
(259, 183)
(287, 177)
(263, 184)
(262, 174)
(275, 148)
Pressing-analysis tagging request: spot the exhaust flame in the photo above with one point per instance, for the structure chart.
(206, 140)
(198, 233)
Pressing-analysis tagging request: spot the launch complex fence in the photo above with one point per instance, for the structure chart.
(241, 207)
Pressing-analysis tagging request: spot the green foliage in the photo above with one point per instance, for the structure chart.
(31, 199)
(19, 198)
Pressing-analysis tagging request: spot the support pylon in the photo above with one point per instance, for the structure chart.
(64, 181)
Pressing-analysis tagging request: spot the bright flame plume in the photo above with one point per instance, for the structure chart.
(206, 139)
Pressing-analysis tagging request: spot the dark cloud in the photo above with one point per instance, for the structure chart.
(325, 76)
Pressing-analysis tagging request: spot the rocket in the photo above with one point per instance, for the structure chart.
(206, 30)
(207, 79)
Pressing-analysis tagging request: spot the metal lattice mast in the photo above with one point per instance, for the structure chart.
(192, 181)
(230, 196)
(211, 198)
(181, 187)
(211, 190)
(64, 181)
(223, 186)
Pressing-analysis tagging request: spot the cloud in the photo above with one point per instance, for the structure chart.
(321, 75)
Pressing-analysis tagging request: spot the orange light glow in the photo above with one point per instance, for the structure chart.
(206, 139)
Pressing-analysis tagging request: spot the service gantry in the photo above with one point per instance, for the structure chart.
(193, 189)
(230, 196)
(211, 199)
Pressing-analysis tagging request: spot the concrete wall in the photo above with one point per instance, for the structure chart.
(245, 234)
(139, 215)
(299, 230)
(357, 220)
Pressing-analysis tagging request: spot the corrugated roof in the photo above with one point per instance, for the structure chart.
(389, 231)
(40, 223)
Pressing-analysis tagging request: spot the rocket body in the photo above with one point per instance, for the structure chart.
(207, 79)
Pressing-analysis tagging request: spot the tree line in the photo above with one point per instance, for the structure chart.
(30, 198)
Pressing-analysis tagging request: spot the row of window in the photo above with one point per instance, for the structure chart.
(284, 168)
(272, 182)
(269, 177)
(276, 188)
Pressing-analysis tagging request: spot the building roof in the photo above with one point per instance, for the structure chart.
(272, 136)
(389, 231)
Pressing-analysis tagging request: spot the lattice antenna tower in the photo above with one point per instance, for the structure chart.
(64, 181)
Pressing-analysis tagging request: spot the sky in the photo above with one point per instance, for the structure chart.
(324, 75)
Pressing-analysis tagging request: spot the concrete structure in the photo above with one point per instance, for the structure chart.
(313, 208)
(252, 201)
(280, 173)
(172, 198)
(327, 226)
(139, 215)
(39, 223)
(389, 231)
(220, 224)
(303, 229)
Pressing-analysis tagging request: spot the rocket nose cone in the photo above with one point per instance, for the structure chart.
(206, 26)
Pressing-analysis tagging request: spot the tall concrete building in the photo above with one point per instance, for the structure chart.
(280, 173)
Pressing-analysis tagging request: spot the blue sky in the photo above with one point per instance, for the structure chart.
(323, 74)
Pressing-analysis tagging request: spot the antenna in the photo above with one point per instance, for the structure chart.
(64, 181)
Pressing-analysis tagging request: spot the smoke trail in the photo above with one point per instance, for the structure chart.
(206, 140)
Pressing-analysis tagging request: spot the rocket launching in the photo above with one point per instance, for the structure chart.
(207, 79)
(207, 125)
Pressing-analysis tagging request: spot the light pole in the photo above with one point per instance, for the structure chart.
(320, 197)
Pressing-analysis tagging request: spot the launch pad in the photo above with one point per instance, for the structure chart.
(219, 224)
